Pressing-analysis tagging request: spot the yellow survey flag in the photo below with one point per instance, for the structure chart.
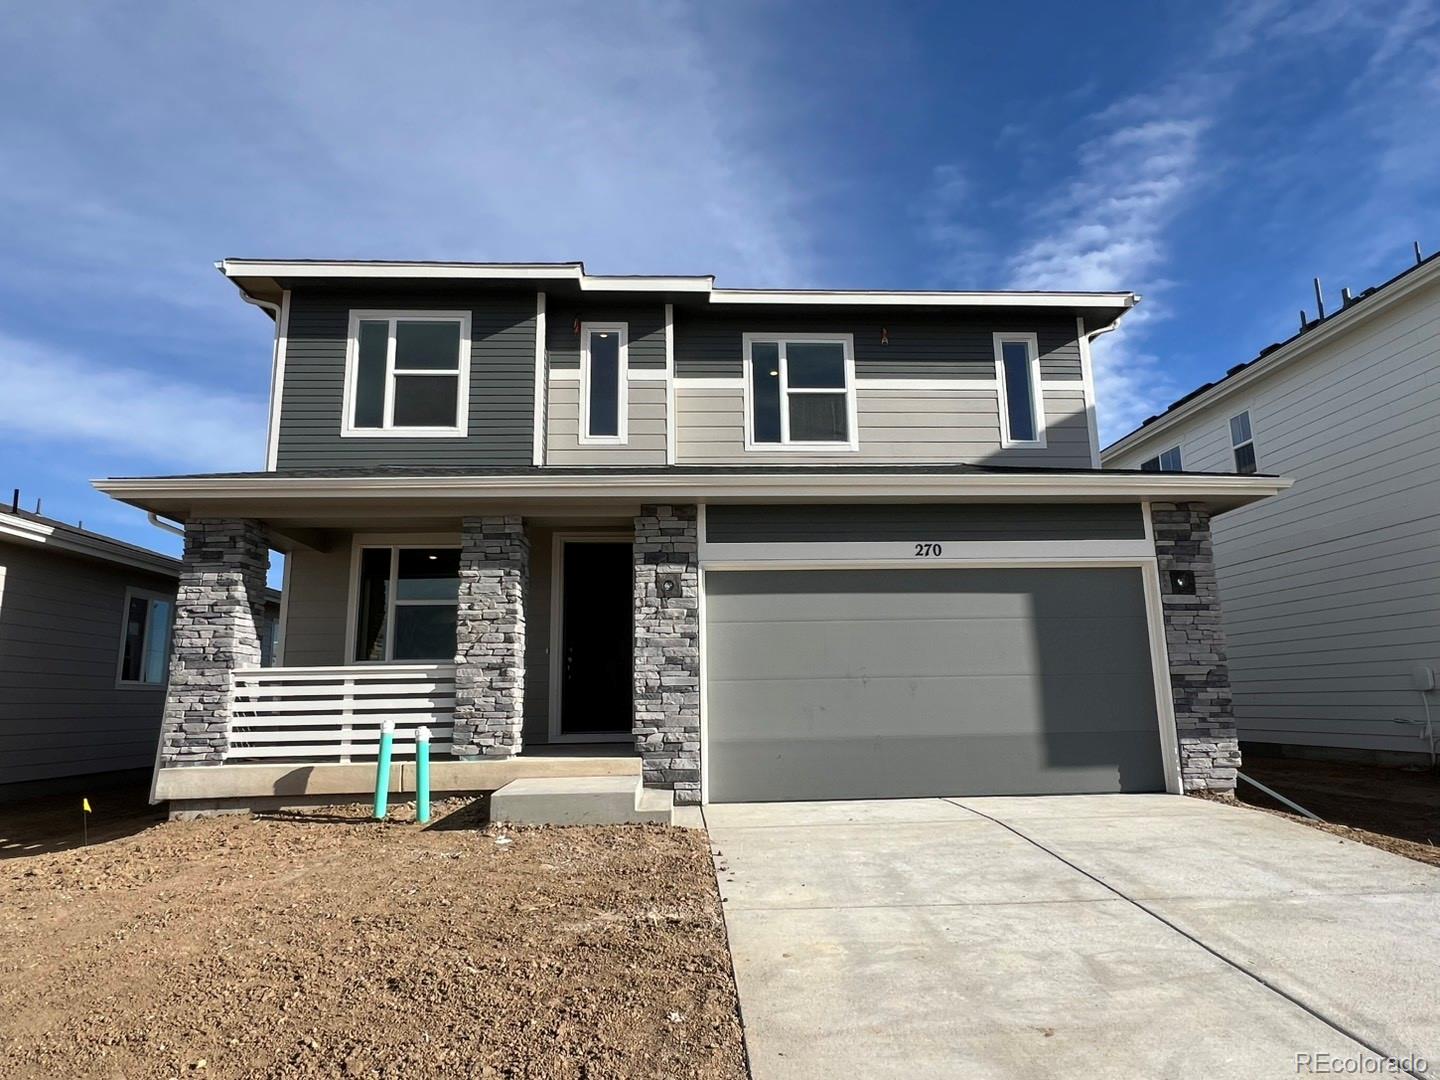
(85, 805)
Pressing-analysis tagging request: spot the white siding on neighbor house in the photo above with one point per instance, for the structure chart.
(900, 424)
(61, 712)
(1331, 591)
(644, 446)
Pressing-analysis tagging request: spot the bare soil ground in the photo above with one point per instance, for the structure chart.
(320, 944)
(1394, 809)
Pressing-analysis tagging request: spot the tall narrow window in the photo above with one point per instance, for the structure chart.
(1166, 461)
(1017, 371)
(407, 373)
(405, 603)
(801, 391)
(603, 382)
(1242, 441)
(145, 645)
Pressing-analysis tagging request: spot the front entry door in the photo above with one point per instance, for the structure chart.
(596, 640)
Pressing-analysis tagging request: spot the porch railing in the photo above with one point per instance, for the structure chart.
(333, 714)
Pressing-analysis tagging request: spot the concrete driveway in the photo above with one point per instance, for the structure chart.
(1098, 936)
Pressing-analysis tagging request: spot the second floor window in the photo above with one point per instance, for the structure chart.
(801, 391)
(603, 371)
(1242, 441)
(1017, 370)
(407, 373)
(1167, 461)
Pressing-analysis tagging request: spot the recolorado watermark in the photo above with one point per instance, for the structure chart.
(1359, 1065)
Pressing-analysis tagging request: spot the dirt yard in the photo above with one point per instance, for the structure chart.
(320, 944)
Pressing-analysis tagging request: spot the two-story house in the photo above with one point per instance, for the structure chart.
(1332, 591)
(749, 544)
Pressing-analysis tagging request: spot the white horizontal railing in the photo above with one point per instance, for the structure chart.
(335, 713)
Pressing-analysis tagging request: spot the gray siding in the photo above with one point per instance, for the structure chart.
(645, 328)
(315, 607)
(646, 442)
(870, 522)
(61, 622)
(895, 425)
(1331, 591)
(502, 381)
(939, 346)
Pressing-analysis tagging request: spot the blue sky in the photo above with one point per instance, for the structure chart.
(1213, 158)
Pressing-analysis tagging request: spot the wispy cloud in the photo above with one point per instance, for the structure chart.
(69, 402)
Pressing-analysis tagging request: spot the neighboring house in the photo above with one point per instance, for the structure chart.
(84, 647)
(1332, 591)
(778, 544)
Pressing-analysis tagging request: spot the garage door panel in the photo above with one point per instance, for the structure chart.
(938, 705)
(787, 769)
(1112, 645)
(874, 683)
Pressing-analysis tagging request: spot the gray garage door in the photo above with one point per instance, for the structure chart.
(847, 684)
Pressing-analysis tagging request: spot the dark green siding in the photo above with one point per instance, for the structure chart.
(709, 344)
(866, 522)
(502, 380)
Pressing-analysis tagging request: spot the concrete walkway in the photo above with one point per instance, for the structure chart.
(1120, 936)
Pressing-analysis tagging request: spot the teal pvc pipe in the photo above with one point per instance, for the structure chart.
(382, 771)
(422, 777)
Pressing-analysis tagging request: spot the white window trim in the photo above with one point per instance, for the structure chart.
(132, 593)
(352, 365)
(1250, 442)
(1159, 460)
(1037, 397)
(622, 391)
(852, 420)
(396, 543)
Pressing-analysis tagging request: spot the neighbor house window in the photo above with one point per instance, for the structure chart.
(1243, 443)
(1168, 461)
(1017, 371)
(145, 646)
(405, 603)
(407, 373)
(801, 391)
(603, 366)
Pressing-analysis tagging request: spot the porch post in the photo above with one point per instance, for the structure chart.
(667, 649)
(219, 609)
(1199, 677)
(490, 637)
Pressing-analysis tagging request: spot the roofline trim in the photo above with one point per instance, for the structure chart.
(1167, 487)
(701, 285)
(77, 542)
(1295, 349)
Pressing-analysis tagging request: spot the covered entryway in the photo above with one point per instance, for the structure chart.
(850, 683)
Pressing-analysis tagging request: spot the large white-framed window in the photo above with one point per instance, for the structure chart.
(800, 392)
(604, 383)
(1165, 461)
(1017, 376)
(404, 598)
(1242, 443)
(145, 638)
(407, 373)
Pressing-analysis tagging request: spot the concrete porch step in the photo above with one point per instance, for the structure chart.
(581, 800)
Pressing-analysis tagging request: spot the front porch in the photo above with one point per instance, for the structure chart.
(518, 668)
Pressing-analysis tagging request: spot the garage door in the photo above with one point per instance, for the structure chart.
(843, 684)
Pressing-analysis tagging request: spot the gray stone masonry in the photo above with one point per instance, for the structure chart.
(219, 606)
(667, 649)
(1199, 678)
(490, 637)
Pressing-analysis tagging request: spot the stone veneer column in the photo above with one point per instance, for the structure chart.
(667, 649)
(1199, 678)
(219, 608)
(490, 637)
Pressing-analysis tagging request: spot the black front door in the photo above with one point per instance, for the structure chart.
(596, 638)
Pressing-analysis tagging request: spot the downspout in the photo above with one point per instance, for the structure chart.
(275, 313)
(154, 519)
